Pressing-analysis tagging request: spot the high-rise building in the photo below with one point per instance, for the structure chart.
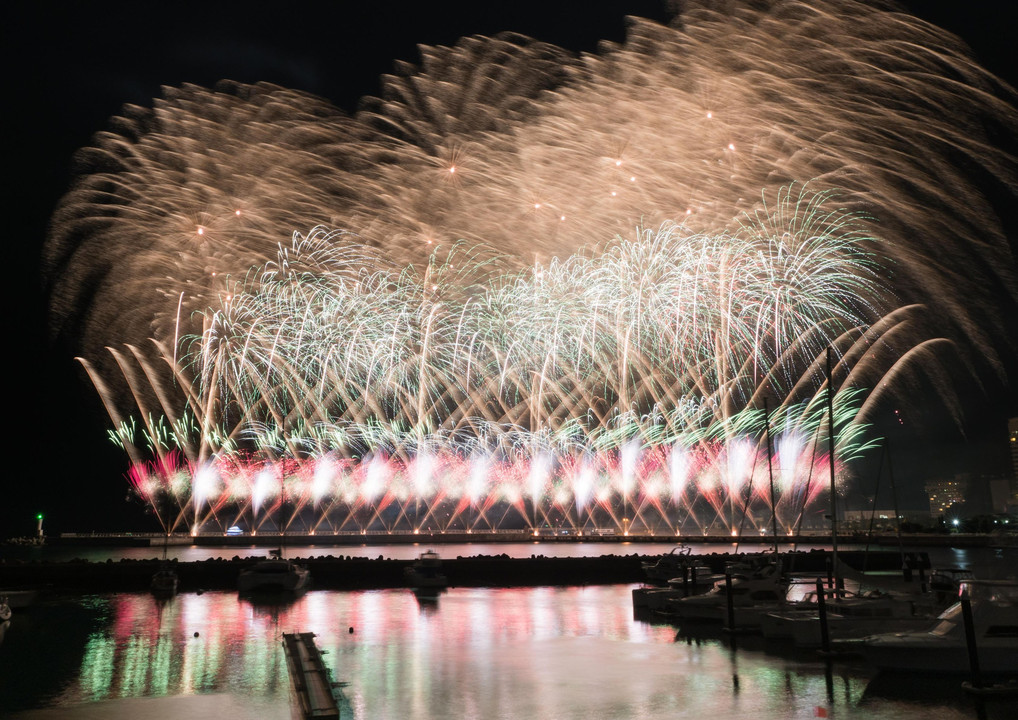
(945, 493)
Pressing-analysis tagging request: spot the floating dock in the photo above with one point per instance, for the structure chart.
(316, 691)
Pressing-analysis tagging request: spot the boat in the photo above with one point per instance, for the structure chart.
(275, 575)
(945, 583)
(849, 616)
(699, 579)
(943, 648)
(667, 566)
(164, 582)
(425, 573)
(752, 595)
(884, 607)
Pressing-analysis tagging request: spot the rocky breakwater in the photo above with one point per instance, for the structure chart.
(328, 572)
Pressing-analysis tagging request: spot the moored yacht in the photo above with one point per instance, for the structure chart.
(751, 596)
(699, 579)
(164, 582)
(666, 566)
(943, 648)
(848, 616)
(275, 575)
(426, 572)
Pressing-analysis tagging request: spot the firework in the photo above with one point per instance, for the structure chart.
(577, 385)
(779, 179)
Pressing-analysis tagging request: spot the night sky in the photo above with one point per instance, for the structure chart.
(71, 66)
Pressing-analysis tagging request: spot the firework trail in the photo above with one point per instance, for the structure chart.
(512, 144)
(176, 199)
(599, 366)
(779, 178)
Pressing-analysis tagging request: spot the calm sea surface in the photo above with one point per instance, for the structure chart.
(476, 654)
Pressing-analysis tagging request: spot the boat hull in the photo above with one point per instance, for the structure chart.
(940, 658)
(164, 584)
(273, 576)
(986, 615)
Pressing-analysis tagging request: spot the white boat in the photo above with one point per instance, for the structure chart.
(700, 580)
(848, 617)
(426, 572)
(752, 596)
(667, 566)
(943, 647)
(273, 575)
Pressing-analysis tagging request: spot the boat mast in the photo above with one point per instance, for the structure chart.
(282, 509)
(894, 498)
(770, 476)
(830, 454)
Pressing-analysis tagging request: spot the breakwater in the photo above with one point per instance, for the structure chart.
(357, 573)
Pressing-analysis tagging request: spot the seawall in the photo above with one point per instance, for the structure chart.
(356, 573)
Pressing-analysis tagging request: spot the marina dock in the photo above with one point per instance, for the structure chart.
(312, 680)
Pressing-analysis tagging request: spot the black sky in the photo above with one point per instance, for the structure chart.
(71, 66)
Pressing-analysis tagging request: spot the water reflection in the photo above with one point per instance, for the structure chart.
(472, 653)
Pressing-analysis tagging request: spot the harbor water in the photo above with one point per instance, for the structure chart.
(474, 653)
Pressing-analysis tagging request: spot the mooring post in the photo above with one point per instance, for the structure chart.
(970, 638)
(730, 600)
(825, 638)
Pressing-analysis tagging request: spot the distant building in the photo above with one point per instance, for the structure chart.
(967, 495)
(945, 493)
(881, 519)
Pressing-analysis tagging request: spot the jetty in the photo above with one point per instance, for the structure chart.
(317, 695)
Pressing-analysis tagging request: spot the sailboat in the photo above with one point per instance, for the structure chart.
(425, 576)
(164, 582)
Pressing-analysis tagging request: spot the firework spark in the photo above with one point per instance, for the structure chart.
(780, 178)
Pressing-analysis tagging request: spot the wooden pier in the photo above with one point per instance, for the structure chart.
(316, 691)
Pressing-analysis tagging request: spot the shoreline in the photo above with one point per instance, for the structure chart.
(272, 539)
(356, 573)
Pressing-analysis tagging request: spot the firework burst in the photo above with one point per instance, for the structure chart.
(779, 179)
